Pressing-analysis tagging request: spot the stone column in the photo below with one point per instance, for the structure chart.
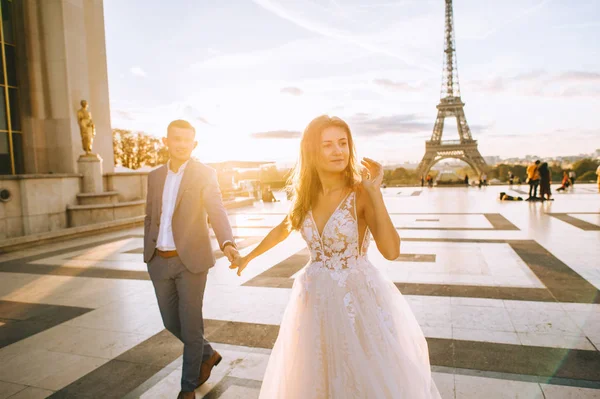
(90, 166)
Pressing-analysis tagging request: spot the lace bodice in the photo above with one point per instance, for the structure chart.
(338, 246)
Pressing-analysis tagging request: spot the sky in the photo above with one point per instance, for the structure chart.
(251, 74)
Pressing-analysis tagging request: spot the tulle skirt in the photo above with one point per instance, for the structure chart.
(345, 334)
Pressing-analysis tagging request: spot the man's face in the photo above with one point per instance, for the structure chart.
(180, 142)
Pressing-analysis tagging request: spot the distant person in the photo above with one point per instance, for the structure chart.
(598, 174)
(545, 192)
(267, 195)
(422, 181)
(484, 178)
(533, 178)
(566, 182)
(511, 178)
(429, 181)
(572, 176)
(467, 180)
(506, 197)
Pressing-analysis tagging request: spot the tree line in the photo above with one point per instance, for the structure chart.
(134, 150)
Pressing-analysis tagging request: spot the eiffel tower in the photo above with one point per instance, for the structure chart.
(451, 105)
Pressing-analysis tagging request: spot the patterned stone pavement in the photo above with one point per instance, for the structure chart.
(505, 292)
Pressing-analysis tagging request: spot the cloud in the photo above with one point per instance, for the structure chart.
(193, 114)
(365, 125)
(123, 114)
(579, 76)
(518, 15)
(399, 86)
(137, 71)
(294, 91)
(540, 83)
(276, 134)
(302, 17)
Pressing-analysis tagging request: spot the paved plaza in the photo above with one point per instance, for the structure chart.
(505, 292)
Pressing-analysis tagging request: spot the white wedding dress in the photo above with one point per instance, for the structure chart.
(347, 331)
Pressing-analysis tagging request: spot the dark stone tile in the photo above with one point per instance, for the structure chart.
(499, 222)
(565, 284)
(27, 319)
(427, 220)
(245, 334)
(580, 224)
(159, 350)
(29, 268)
(111, 380)
(531, 360)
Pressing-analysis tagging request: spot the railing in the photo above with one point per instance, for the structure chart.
(450, 142)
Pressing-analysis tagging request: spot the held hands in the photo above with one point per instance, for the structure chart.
(231, 252)
(239, 263)
(236, 260)
(372, 174)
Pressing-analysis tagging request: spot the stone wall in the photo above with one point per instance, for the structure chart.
(38, 203)
(131, 186)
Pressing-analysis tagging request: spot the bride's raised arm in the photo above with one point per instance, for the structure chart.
(376, 215)
(275, 236)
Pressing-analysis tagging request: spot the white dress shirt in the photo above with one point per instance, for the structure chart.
(165, 241)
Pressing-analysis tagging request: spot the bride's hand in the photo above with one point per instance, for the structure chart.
(239, 263)
(372, 174)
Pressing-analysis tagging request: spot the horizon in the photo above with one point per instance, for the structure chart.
(256, 72)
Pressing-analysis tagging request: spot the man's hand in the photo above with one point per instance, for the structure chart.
(231, 253)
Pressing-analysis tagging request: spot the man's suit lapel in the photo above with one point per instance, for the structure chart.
(162, 177)
(186, 180)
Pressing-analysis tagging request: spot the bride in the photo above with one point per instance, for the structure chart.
(347, 331)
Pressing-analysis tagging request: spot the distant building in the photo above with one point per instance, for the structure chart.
(492, 160)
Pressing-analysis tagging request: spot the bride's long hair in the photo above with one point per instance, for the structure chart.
(304, 183)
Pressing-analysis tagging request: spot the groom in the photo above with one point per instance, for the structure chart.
(177, 247)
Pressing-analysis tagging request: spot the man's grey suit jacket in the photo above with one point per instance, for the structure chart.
(198, 196)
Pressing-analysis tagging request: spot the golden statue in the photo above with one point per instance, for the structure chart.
(86, 127)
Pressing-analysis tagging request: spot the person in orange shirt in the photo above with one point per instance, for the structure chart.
(533, 176)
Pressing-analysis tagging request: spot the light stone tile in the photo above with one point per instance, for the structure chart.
(536, 321)
(432, 316)
(166, 388)
(33, 393)
(8, 389)
(122, 317)
(66, 290)
(469, 387)
(565, 392)
(481, 318)
(239, 392)
(444, 382)
(437, 332)
(45, 369)
(534, 305)
(252, 367)
(479, 302)
(88, 342)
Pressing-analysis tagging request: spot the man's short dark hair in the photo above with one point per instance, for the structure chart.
(537, 162)
(181, 124)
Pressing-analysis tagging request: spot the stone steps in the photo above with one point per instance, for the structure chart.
(106, 197)
(81, 215)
